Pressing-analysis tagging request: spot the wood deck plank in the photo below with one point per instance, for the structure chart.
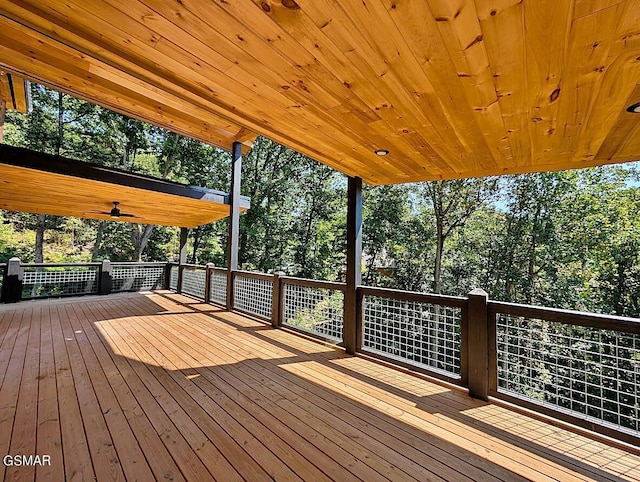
(191, 467)
(156, 454)
(412, 448)
(49, 438)
(256, 450)
(185, 412)
(143, 387)
(257, 395)
(255, 376)
(106, 463)
(13, 361)
(23, 437)
(75, 446)
(462, 457)
(234, 413)
(130, 455)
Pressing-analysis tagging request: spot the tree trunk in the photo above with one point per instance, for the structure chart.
(437, 265)
(39, 258)
(60, 123)
(197, 237)
(96, 246)
(140, 237)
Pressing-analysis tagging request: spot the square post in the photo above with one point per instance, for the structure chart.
(12, 284)
(276, 300)
(182, 257)
(105, 281)
(477, 344)
(352, 319)
(234, 220)
(207, 282)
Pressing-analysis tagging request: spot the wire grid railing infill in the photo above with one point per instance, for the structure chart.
(53, 281)
(590, 373)
(136, 278)
(253, 295)
(423, 334)
(173, 277)
(194, 281)
(218, 287)
(316, 310)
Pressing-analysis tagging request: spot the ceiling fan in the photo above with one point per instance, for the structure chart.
(115, 212)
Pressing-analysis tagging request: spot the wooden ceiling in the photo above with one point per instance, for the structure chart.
(14, 92)
(44, 184)
(452, 88)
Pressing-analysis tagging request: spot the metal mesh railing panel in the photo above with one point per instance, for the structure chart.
(253, 295)
(590, 373)
(218, 287)
(173, 278)
(194, 281)
(53, 281)
(137, 278)
(316, 310)
(423, 334)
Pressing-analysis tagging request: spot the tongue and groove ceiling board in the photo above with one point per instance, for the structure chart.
(451, 88)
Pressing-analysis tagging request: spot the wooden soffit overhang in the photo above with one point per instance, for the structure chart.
(14, 92)
(44, 184)
(451, 88)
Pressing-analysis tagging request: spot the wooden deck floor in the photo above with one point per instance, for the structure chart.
(144, 387)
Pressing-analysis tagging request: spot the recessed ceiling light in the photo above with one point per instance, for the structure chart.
(634, 109)
(381, 152)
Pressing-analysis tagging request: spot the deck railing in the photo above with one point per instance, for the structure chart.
(414, 328)
(56, 280)
(137, 276)
(580, 367)
(315, 307)
(569, 364)
(194, 280)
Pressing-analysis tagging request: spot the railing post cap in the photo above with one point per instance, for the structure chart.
(478, 292)
(14, 268)
(280, 273)
(211, 265)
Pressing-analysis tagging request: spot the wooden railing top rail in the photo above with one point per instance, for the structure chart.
(218, 269)
(431, 298)
(141, 263)
(312, 283)
(570, 317)
(58, 265)
(194, 266)
(251, 274)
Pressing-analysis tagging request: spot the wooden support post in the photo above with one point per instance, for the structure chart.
(477, 344)
(276, 300)
(105, 283)
(12, 284)
(352, 318)
(167, 276)
(234, 220)
(207, 282)
(182, 259)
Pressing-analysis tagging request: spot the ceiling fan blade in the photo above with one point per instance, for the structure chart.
(98, 212)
